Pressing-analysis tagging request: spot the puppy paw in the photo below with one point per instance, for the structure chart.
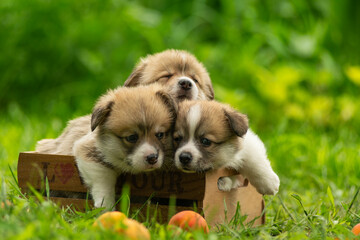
(224, 184)
(227, 183)
(268, 185)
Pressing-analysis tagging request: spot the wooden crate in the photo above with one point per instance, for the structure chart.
(189, 190)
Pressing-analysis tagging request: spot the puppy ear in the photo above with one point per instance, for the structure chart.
(134, 78)
(209, 90)
(101, 111)
(169, 101)
(210, 94)
(238, 122)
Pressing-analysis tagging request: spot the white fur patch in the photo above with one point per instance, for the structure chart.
(138, 158)
(253, 163)
(226, 184)
(193, 119)
(189, 147)
(183, 57)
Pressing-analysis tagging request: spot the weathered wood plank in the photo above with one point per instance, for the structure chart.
(63, 176)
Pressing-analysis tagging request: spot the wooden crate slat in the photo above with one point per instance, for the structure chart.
(251, 202)
(63, 175)
(60, 170)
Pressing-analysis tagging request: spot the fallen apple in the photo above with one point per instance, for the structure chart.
(189, 221)
(119, 223)
(356, 229)
(110, 220)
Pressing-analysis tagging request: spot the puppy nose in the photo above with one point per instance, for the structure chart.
(185, 84)
(185, 158)
(152, 158)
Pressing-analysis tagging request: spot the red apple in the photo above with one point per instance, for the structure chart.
(189, 221)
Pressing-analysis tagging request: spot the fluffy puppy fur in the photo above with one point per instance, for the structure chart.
(128, 131)
(183, 75)
(210, 135)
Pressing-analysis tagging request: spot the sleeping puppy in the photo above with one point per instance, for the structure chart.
(183, 75)
(128, 131)
(210, 135)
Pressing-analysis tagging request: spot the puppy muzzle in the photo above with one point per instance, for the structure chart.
(152, 158)
(186, 89)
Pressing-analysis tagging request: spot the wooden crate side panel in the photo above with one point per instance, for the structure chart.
(165, 184)
(63, 175)
(60, 170)
(250, 201)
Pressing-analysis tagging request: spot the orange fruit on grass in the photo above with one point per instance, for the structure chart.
(109, 220)
(356, 229)
(189, 221)
(134, 230)
(119, 223)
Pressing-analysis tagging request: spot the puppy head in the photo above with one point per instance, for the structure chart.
(207, 135)
(133, 127)
(183, 75)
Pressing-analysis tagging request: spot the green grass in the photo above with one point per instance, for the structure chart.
(293, 67)
(318, 199)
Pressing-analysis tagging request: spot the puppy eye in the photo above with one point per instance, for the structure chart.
(178, 139)
(132, 138)
(206, 142)
(166, 76)
(159, 135)
(195, 80)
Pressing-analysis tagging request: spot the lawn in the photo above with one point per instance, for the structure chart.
(293, 68)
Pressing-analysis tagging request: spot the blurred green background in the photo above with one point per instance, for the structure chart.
(288, 64)
(292, 66)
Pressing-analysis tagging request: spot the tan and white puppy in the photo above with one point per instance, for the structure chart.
(183, 75)
(128, 131)
(209, 135)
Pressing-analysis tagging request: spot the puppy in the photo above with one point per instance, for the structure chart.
(128, 131)
(183, 75)
(210, 135)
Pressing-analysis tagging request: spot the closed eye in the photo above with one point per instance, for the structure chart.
(195, 79)
(168, 76)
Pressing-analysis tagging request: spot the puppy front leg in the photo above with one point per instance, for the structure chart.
(101, 180)
(261, 176)
(255, 165)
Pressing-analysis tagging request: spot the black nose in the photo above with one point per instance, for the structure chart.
(185, 158)
(185, 84)
(152, 158)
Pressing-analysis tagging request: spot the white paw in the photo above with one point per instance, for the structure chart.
(236, 183)
(104, 202)
(227, 183)
(224, 184)
(267, 185)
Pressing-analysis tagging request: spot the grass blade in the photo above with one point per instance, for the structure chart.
(47, 189)
(352, 201)
(125, 200)
(286, 209)
(13, 175)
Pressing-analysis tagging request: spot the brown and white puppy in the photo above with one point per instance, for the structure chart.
(183, 75)
(210, 135)
(128, 131)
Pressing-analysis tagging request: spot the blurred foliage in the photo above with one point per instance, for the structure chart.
(292, 66)
(293, 59)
